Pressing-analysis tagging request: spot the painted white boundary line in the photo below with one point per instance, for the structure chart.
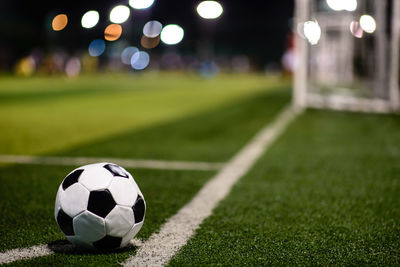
(24, 253)
(174, 234)
(41, 251)
(127, 163)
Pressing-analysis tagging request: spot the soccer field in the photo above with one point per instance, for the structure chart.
(325, 192)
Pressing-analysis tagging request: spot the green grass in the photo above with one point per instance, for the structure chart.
(46, 115)
(30, 221)
(79, 259)
(28, 196)
(211, 131)
(327, 193)
(214, 135)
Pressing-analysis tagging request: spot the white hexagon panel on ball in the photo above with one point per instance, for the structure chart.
(95, 177)
(124, 191)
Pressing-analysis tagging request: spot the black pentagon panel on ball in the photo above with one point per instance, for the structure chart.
(71, 178)
(116, 170)
(108, 243)
(65, 223)
(101, 202)
(139, 209)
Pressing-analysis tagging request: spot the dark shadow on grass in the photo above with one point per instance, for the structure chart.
(214, 135)
(63, 246)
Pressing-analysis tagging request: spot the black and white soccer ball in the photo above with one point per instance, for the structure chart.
(99, 206)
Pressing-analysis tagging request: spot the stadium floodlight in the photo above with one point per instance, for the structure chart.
(312, 31)
(172, 34)
(209, 9)
(368, 23)
(140, 4)
(339, 5)
(90, 19)
(152, 29)
(119, 14)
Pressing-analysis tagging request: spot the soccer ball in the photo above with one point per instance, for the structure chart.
(99, 206)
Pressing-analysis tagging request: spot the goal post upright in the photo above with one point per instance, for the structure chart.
(395, 57)
(301, 49)
(348, 67)
(380, 49)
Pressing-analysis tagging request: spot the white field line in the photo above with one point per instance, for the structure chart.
(42, 250)
(174, 234)
(127, 163)
(24, 253)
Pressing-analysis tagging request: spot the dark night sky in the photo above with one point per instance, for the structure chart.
(256, 28)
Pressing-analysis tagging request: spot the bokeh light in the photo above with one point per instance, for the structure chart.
(209, 9)
(127, 54)
(300, 29)
(240, 63)
(172, 34)
(140, 60)
(140, 4)
(312, 31)
(112, 32)
(351, 5)
(59, 22)
(73, 67)
(59, 59)
(368, 23)
(356, 29)
(119, 14)
(90, 19)
(97, 47)
(25, 66)
(152, 29)
(149, 43)
(338, 5)
(208, 69)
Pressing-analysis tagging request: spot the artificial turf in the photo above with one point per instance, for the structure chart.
(35, 186)
(47, 115)
(214, 135)
(28, 191)
(327, 193)
(28, 196)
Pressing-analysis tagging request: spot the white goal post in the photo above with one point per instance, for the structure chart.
(347, 54)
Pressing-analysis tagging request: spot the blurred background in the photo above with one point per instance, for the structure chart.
(194, 81)
(64, 37)
(345, 49)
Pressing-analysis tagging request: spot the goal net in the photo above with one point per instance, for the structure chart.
(347, 54)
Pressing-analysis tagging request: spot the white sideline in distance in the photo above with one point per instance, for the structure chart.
(174, 234)
(42, 250)
(127, 163)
